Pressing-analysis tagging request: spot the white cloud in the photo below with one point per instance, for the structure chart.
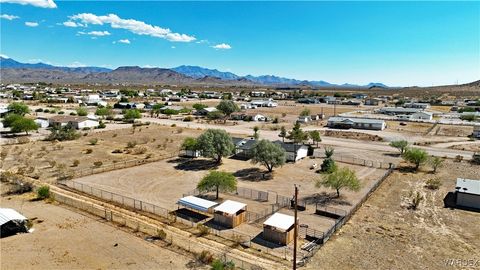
(95, 33)
(173, 47)
(31, 24)
(124, 41)
(76, 64)
(9, 17)
(36, 3)
(72, 24)
(202, 41)
(134, 26)
(222, 46)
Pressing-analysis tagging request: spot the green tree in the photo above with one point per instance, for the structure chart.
(215, 115)
(297, 135)
(157, 109)
(65, 133)
(343, 178)
(435, 162)
(23, 125)
(283, 133)
(170, 112)
(81, 111)
(199, 106)
(255, 132)
(416, 156)
(190, 144)
(104, 111)
(10, 118)
(131, 115)
(269, 154)
(218, 181)
(227, 107)
(328, 164)
(19, 108)
(401, 145)
(468, 117)
(315, 136)
(215, 143)
(305, 112)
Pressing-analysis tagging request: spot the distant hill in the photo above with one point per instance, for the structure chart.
(10, 63)
(14, 71)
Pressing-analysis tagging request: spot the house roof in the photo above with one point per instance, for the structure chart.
(67, 118)
(468, 186)
(196, 203)
(230, 207)
(280, 221)
(400, 109)
(8, 214)
(290, 147)
(355, 120)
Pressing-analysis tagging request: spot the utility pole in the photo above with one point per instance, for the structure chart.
(295, 232)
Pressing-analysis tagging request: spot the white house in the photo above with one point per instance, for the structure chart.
(294, 152)
(422, 116)
(468, 193)
(78, 122)
(42, 122)
(359, 123)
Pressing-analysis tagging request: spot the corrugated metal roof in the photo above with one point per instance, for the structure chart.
(280, 221)
(468, 186)
(8, 214)
(196, 203)
(355, 120)
(230, 207)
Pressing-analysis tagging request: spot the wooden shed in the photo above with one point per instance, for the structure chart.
(230, 213)
(279, 229)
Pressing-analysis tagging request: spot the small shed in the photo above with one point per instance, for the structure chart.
(279, 229)
(230, 213)
(468, 193)
(12, 222)
(198, 204)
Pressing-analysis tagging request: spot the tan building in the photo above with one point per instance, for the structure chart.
(230, 213)
(279, 229)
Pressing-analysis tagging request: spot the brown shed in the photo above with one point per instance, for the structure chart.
(230, 213)
(279, 229)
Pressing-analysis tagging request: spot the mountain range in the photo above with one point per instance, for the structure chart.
(14, 71)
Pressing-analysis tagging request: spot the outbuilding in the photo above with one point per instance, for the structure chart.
(359, 123)
(294, 152)
(279, 228)
(198, 204)
(230, 213)
(12, 222)
(468, 193)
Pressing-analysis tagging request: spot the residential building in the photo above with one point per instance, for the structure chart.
(398, 110)
(294, 152)
(357, 123)
(78, 122)
(468, 193)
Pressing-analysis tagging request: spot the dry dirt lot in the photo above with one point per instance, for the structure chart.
(457, 130)
(163, 183)
(46, 160)
(410, 127)
(66, 239)
(384, 234)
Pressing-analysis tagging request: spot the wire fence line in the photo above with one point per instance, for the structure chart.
(121, 165)
(180, 241)
(359, 161)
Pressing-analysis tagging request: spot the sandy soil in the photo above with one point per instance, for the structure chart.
(35, 158)
(410, 127)
(449, 130)
(64, 239)
(384, 234)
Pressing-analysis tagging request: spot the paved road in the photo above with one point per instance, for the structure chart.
(247, 129)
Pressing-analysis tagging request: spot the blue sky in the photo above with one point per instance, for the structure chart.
(397, 43)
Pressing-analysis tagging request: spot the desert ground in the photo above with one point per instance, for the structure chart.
(394, 237)
(65, 238)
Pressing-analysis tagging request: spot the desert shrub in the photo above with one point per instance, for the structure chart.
(161, 234)
(43, 192)
(415, 200)
(148, 156)
(433, 183)
(114, 135)
(131, 144)
(284, 114)
(61, 112)
(86, 128)
(179, 130)
(202, 230)
(205, 257)
(46, 111)
(20, 187)
(52, 163)
(173, 125)
(219, 265)
(188, 119)
(275, 120)
(117, 151)
(139, 150)
(75, 163)
(93, 141)
(65, 133)
(101, 125)
(97, 163)
(39, 110)
(88, 151)
(23, 140)
(43, 148)
(73, 113)
(458, 158)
